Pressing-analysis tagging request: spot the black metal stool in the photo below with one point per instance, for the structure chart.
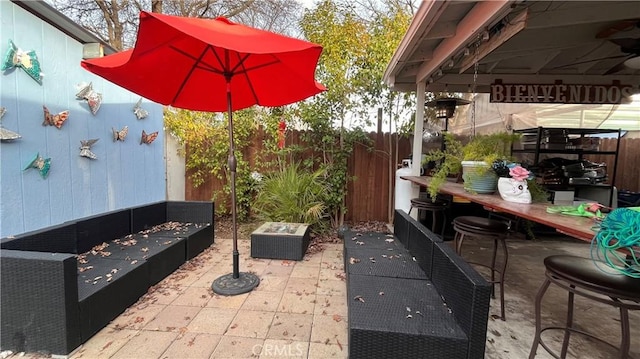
(581, 276)
(480, 227)
(435, 207)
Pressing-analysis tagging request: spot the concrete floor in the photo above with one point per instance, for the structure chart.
(299, 310)
(513, 338)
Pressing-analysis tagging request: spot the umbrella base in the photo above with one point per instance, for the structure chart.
(227, 285)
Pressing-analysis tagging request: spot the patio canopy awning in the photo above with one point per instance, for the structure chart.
(524, 42)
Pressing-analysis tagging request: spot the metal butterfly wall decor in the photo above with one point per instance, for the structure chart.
(41, 164)
(148, 138)
(7, 135)
(85, 148)
(120, 135)
(54, 119)
(94, 99)
(28, 61)
(140, 112)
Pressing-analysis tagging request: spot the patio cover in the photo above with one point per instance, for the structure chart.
(524, 42)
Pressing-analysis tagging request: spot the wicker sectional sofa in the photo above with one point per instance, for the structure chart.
(411, 296)
(60, 285)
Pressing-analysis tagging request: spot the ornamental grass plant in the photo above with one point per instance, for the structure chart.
(291, 195)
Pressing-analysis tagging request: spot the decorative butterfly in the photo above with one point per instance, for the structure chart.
(54, 120)
(41, 164)
(85, 148)
(148, 138)
(28, 61)
(94, 99)
(6, 135)
(140, 112)
(120, 135)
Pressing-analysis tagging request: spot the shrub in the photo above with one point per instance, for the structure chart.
(291, 195)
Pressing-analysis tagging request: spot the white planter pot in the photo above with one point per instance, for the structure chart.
(512, 190)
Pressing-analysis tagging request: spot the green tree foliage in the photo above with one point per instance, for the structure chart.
(355, 53)
(207, 139)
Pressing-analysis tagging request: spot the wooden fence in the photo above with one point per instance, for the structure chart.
(627, 172)
(368, 197)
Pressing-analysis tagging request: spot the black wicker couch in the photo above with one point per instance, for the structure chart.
(60, 285)
(411, 296)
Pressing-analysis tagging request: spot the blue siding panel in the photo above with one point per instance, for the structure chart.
(125, 173)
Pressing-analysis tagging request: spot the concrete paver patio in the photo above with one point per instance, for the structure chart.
(299, 310)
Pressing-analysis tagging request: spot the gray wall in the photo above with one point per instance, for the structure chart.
(125, 173)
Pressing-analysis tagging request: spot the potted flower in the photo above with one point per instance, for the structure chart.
(516, 183)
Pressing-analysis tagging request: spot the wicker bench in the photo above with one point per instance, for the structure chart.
(57, 292)
(411, 296)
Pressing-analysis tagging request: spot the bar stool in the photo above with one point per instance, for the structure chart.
(480, 227)
(581, 276)
(425, 203)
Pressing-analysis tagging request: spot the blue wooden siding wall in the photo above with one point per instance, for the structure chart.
(125, 173)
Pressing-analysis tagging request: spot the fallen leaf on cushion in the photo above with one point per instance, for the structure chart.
(82, 269)
(354, 260)
(381, 293)
(359, 297)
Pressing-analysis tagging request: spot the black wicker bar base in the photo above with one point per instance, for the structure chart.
(411, 296)
(61, 285)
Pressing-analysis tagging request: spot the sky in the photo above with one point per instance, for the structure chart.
(307, 3)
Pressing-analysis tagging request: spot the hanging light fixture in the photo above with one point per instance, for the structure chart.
(446, 106)
(445, 109)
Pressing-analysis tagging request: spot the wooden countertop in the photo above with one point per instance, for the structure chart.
(578, 227)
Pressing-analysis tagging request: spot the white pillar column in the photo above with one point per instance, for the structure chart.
(417, 139)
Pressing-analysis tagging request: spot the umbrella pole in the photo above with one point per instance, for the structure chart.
(234, 283)
(232, 163)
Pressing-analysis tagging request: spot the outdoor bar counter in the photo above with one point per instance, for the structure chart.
(578, 227)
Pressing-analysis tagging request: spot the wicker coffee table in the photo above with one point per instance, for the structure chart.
(278, 240)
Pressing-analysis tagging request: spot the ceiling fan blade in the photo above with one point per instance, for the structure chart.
(617, 68)
(627, 43)
(620, 26)
(588, 61)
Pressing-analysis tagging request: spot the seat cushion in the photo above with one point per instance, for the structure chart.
(428, 204)
(584, 273)
(474, 223)
(401, 318)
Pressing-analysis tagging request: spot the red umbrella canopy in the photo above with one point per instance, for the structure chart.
(188, 62)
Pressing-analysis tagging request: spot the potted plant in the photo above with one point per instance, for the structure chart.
(474, 159)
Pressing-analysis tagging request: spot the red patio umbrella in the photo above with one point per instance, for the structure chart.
(214, 65)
